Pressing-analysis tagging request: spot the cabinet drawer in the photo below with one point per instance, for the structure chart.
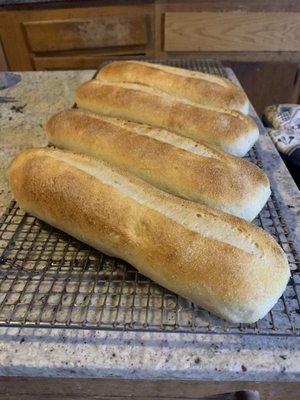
(87, 33)
(232, 31)
(81, 60)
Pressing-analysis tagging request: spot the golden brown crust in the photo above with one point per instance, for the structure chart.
(185, 168)
(221, 262)
(229, 130)
(198, 87)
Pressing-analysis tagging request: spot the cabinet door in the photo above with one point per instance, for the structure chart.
(87, 33)
(268, 83)
(232, 31)
(75, 37)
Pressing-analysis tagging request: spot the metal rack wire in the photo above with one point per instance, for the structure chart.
(48, 279)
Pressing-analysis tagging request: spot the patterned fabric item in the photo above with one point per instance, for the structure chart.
(284, 119)
(287, 142)
(283, 116)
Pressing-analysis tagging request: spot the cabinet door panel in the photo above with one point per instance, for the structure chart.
(232, 31)
(87, 33)
(268, 83)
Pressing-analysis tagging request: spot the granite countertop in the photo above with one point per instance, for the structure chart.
(37, 96)
(70, 353)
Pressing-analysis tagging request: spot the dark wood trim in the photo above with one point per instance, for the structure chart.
(230, 5)
(210, 5)
(255, 56)
(117, 389)
(58, 4)
(3, 60)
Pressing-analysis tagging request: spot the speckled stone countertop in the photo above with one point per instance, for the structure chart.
(69, 353)
(34, 99)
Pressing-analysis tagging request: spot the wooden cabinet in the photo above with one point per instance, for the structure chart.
(256, 30)
(250, 36)
(77, 34)
(37, 388)
(87, 33)
(75, 37)
(3, 62)
(231, 31)
(267, 82)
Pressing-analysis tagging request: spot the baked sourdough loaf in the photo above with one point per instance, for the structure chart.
(223, 263)
(170, 162)
(227, 129)
(199, 87)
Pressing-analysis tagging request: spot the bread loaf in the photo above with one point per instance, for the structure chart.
(170, 162)
(223, 263)
(229, 130)
(199, 87)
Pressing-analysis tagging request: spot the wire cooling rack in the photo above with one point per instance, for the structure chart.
(48, 279)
